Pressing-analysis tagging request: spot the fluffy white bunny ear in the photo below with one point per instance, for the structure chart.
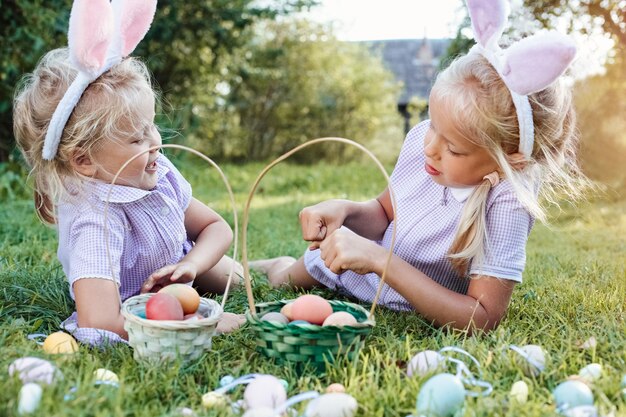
(489, 17)
(90, 33)
(136, 18)
(533, 63)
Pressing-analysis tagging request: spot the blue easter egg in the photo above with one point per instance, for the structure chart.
(141, 313)
(623, 384)
(299, 322)
(571, 394)
(442, 395)
(225, 380)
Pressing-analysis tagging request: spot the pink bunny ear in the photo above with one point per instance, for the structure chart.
(488, 19)
(136, 18)
(533, 63)
(90, 33)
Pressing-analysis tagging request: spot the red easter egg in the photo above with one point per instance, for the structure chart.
(311, 308)
(163, 306)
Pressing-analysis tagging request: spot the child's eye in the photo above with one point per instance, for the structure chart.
(454, 153)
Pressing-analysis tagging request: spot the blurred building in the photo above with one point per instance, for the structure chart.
(414, 62)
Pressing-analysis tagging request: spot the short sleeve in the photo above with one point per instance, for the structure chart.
(178, 183)
(89, 255)
(508, 225)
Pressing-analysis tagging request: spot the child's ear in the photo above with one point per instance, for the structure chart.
(83, 164)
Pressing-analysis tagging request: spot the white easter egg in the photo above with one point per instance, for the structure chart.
(213, 399)
(264, 391)
(105, 375)
(442, 395)
(260, 412)
(519, 392)
(30, 396)
(334, 404)
(570, 394)
(424, 362)
(534, 362)
(591, 372)
(30, 369)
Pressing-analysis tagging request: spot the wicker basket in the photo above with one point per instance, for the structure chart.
(158, 340)
(309, 343)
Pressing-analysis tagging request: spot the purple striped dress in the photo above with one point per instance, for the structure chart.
(146, 232)
(427, 218)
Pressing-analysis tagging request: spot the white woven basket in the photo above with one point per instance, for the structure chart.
(159, 340)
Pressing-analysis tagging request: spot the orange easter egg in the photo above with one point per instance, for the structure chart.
(186, 295)
(311, 308)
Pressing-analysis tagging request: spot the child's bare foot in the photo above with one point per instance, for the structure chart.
(273, 265)
(230, 322)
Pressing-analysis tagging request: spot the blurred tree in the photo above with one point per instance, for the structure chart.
(299, 83)
(186, 48)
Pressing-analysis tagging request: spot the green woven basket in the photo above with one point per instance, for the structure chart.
(160, 340)
(309, 343)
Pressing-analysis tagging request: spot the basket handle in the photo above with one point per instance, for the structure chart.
(244, 248)
(230, 194)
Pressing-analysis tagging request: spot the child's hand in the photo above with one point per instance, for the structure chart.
(230, 322)
(181, 272)
(345, 250)
(321, 220)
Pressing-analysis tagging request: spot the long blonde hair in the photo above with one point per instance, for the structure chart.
(106, 111)
(481, 104)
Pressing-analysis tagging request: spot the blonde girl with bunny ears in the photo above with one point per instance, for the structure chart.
(78, 118)
(467, 185)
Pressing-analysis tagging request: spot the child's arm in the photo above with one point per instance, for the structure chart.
(98, 305)
(212, 237)
(482, 308)
(368, 219)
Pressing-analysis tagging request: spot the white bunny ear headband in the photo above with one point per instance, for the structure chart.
(527, 66)
(100, 34)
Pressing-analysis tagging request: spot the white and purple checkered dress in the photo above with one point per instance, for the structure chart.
(428, 214)
(146, 231)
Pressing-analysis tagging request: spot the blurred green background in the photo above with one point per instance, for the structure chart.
(247, 80)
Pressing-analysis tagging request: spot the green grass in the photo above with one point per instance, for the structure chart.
(574, 288)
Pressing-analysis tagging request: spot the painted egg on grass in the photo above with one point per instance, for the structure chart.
(535, 362)
(424, 363)
(260, 412)
(570, 394)
(443, 395)
(264, 391)
(334, 404)
(311, 308)
(60, 342)
(30, 369)
(519, 392)
(104, 375)
(214, 400)
(591, 372)
(29, 398)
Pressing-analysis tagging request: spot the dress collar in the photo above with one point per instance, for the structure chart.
(123, 193)
(461, 194)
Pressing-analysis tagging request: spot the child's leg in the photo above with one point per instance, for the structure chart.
(215, 279)
(285, 270)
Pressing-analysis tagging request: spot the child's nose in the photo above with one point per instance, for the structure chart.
(155, 140)
(431, 149)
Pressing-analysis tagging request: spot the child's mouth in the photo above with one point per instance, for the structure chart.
(152, 166)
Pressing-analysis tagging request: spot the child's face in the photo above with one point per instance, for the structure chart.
(451, 159)
(142, 171)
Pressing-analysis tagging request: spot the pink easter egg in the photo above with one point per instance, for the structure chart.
(311, 308)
